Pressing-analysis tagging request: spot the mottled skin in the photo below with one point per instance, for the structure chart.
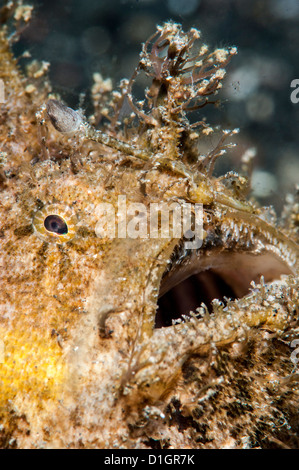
(83, 365)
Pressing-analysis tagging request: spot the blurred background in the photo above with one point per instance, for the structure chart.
(80, 38)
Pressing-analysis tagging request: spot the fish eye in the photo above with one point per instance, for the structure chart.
(55, 223)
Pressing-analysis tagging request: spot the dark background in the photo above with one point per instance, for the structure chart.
(81, 37)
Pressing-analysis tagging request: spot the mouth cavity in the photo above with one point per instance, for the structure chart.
(200, 278)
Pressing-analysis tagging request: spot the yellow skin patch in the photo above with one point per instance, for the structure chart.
(34, 362)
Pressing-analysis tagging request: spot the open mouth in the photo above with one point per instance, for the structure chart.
(204, 275)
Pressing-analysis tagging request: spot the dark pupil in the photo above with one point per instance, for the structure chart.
(54, 223)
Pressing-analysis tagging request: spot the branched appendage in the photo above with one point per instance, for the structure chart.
(100, 94)
(181, 72)
(210, 159)
(20, 14)
(183, 75)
